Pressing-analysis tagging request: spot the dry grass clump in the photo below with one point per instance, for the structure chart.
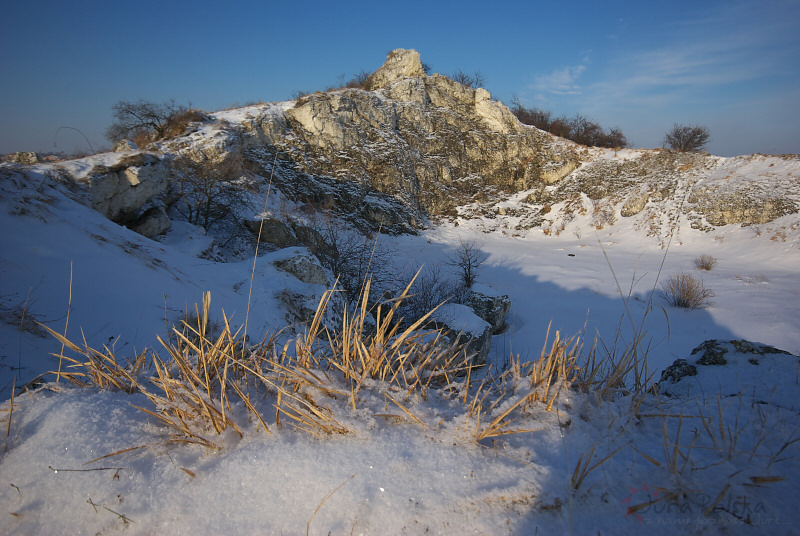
(210, 384)
(685, 291)
(705, 262)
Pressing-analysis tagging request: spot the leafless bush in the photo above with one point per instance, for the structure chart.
(578, 128)
(474, 80)
(468, 259)
(353, 257)
(145, 121)
(686, 138)
(209, 191)
(431, 288)
(705, 262)
(685, 291)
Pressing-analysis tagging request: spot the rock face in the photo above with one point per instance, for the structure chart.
(152, 222)
(305, 268)
(119, 191)
(399, 64)
(426, 141)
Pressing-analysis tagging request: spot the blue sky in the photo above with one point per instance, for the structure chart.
(729, 65)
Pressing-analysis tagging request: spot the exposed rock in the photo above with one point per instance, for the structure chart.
(490, 306)
(152, 222)
(678, 370)
(712, 353)
(272, 231)
(26, 159)
(124, 145)
(428, 142)
(460, 325)
(748, 370)
(400, 63)
(119, 191)
(634, 205)
(304, 267)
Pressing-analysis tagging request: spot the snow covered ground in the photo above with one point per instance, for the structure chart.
(716, 460)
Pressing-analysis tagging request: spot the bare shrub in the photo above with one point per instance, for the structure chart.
(474, 80)
(430, 289)
(209, 191)
(145, 121)
(685, 138)
(705, 262)
(685, 291)
(468, 259)
(352, 257)
(577, 128)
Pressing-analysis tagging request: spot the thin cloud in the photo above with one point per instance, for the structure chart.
(560, 81)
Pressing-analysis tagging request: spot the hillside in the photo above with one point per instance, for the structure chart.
(298, 437)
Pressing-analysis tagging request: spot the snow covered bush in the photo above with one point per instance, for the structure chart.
(686, 291)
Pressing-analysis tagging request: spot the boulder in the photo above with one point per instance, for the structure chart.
(490, 305)
(460, 325)
(152, 222)
(304, 267)
(753, 371)
(272, 231)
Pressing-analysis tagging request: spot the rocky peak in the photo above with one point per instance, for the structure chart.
(399, 64)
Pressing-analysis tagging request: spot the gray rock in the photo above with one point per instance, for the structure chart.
(152, 222)
(306, 268)
(272, 231)
(460, 325)
(490, 306)
(712, 353)
(678, 370)
(119, 191)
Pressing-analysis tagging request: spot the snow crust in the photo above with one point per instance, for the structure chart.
(713, 460)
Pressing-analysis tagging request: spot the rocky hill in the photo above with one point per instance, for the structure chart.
(411, 148)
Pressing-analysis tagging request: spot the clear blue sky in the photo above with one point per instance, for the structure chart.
(731, 65)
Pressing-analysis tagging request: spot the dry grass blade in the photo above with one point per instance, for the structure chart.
(406, 410)
(716, 501)
(499, 426)
(582, 468)
(11, 406)
(123, 451)
(324, 500)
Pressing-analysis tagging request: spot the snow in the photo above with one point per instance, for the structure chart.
(461, 318)
(726, 460)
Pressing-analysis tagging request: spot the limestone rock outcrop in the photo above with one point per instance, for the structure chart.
(119, 191)
(399, 64)
(427, 141)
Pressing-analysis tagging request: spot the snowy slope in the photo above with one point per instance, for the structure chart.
(711, 462)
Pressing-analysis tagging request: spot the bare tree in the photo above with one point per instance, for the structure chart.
(209, 191)
(474, 80)
(468, 258)
(353, 257)
(685, 138)
(144, 118)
